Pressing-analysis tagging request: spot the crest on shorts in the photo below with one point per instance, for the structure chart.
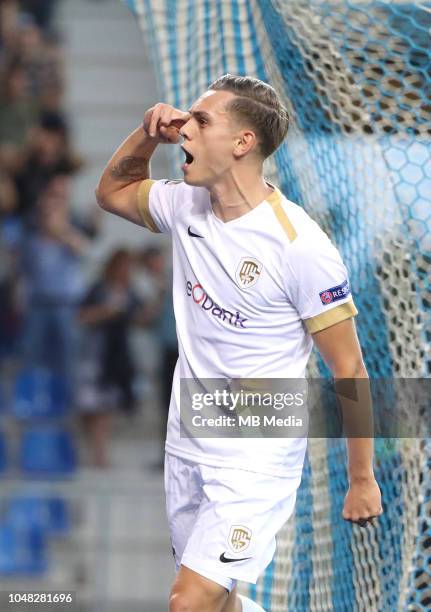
(239, 537)
(248, 272)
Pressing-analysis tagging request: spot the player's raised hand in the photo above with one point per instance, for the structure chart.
(163, 122)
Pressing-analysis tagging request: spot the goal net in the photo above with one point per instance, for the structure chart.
(356, 79)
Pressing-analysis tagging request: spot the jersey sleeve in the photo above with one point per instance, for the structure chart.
(317, 283)
(158, 203)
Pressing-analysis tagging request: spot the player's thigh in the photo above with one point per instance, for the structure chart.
(183, 497)
(232, 604)
(192, 592)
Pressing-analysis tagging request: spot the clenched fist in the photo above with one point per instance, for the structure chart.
(363, 502)
(163, 122)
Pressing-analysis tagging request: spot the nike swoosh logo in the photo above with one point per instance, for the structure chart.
(192, 234)
(224, 559)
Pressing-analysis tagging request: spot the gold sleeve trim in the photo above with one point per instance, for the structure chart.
(144, 205)
(274, 200)
(333, 316)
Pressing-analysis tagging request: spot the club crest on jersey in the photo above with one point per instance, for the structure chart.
(239, 538)
(248, 272)
(335, 293)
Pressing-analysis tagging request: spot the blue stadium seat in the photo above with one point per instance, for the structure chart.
(50, 514)
(39, 393)
(48, 451)
(22, 553)
(59, 516)
(3, 452)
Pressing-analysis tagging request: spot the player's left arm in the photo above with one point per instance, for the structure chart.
(340, 349)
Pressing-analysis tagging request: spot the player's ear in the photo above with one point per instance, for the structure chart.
(244, 142)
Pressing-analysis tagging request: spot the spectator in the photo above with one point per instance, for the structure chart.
(41, 245)
(18, 113)
(8, 195)
(49, 154)
(149, 274)
(153, 280)
(8, 273)
(30, 39)
(49, 74)
(167, 335)
(43, 12)
(42, 60)
(53, 282)
(106, 370)
(161, 312)
(9, 319)
(9, 17)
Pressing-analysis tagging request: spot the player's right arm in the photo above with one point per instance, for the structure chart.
(117, 191)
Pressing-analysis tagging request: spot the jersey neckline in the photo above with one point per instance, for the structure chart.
(270, 199)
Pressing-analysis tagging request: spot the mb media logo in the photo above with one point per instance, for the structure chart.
(248, 272)
(197, 293)
(239, 538)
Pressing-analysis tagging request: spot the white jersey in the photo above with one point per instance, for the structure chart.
(247, 295)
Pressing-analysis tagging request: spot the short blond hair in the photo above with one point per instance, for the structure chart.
(258, 106)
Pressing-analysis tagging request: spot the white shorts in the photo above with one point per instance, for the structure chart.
(223, 521)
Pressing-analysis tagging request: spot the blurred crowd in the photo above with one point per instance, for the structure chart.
(51, 315)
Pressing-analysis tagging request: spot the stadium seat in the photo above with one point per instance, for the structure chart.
(39, 393)
(48, 451)
(22, 552)
(51, 514)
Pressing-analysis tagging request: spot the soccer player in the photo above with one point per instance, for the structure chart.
(256, 281)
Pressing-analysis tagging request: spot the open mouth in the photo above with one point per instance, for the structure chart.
(189, 157)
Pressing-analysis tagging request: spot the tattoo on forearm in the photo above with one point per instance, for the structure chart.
(130, 169)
